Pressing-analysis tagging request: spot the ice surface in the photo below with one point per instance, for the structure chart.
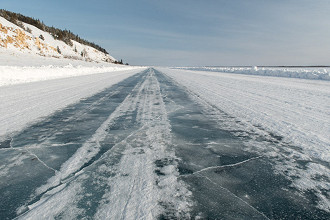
(178, 145)
(297, 110)
(24, 103)
(292, 113)
(133, 176)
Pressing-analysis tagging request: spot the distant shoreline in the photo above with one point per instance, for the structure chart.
(314, 66)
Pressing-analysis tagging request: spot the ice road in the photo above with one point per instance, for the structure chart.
(162, 144)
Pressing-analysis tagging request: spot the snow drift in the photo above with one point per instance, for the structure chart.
(302, 73)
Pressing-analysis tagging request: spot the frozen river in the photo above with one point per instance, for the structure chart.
(149, 147)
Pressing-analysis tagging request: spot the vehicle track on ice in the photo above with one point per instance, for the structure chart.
(124, 179)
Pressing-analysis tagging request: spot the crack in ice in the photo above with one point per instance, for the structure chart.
(10, 145)
(42, 162)
(223, 166)
(228, 165)
(234, 195)
(71, 179)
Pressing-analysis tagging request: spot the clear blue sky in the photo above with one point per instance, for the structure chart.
(195, 32)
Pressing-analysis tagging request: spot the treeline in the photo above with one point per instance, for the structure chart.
(120, 62)
(63, 35)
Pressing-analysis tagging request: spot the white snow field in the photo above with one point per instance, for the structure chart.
(292, 111)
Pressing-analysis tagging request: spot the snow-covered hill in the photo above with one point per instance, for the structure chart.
(32, 40)
(29, 54)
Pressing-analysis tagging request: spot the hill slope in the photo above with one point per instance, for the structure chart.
(27, 38)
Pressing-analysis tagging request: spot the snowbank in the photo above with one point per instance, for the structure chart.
(302, 73)
(10, 75)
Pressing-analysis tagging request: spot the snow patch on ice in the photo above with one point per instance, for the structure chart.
(58, 203)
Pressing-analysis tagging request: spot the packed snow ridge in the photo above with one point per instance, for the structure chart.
(10, 75)
(302, 73)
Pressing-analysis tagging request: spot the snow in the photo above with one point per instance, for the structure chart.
(303, 73)
(59, 201)
(6, 23)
